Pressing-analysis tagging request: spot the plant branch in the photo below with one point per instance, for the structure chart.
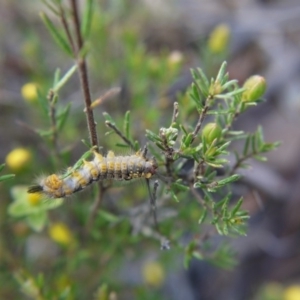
(83, 74)
(201, 118)
(66, 28)
(240, 161)
(119, 133)
(95, 208)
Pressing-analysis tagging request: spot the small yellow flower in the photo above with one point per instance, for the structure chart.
(153, 274)
(292, 293)
(34, 199)
(219, 39)
(61, 234)
(18, 159)
(29, 92)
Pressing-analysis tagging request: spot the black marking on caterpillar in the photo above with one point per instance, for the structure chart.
(85, 172)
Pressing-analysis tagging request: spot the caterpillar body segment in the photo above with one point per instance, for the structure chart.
(85, 172)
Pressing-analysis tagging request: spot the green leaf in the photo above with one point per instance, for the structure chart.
(230, 84)
(58, 85)
(224, 146)
(219, 229)
(221, 72)
(195, 95)
(107, 216)
(126, 124)
(136, 146)
(180, 186)
(253, 144)
(203, 216)
(2, 167)
(62, 117)
(197, 255)
(260, 158)
(43, 102)
(229, 179)
(19, 209)
(44, 133)
(7, 177)
(230, 94)
(259, 137)
(186, 260)
(57, 36)
(37, 221)
(108, 118)
(87, 19)
(153, 136)
(173, 195)
(56, 77)
(236, 208)
(235, 132)
(183, 129)
(223, 201)
(187, 139)
(204, 80)
(122, 145)
(246, 146)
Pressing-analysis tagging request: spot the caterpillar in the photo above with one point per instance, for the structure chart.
(85, 172)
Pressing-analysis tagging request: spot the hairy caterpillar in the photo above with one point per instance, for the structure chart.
(84, 172)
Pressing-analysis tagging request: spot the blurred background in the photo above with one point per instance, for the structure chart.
(147, 48)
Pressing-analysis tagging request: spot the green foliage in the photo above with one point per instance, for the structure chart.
(36, 212)
(205, 204)
(5, 177)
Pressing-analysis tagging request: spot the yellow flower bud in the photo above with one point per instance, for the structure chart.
(211, 131)
(61, 234)
(215, 88)
(34, 198)
(18, 159)
(219, 39)
(29, 92)
(292, 293)
(255, 87)
(153, 273)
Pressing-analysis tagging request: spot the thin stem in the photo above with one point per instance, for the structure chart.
(95, 208)
(199, 170)
(201, 118)
(66, 28)
(119, 133)
(200, 199)
(83, 74)
(240, 161)
(153, 200)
